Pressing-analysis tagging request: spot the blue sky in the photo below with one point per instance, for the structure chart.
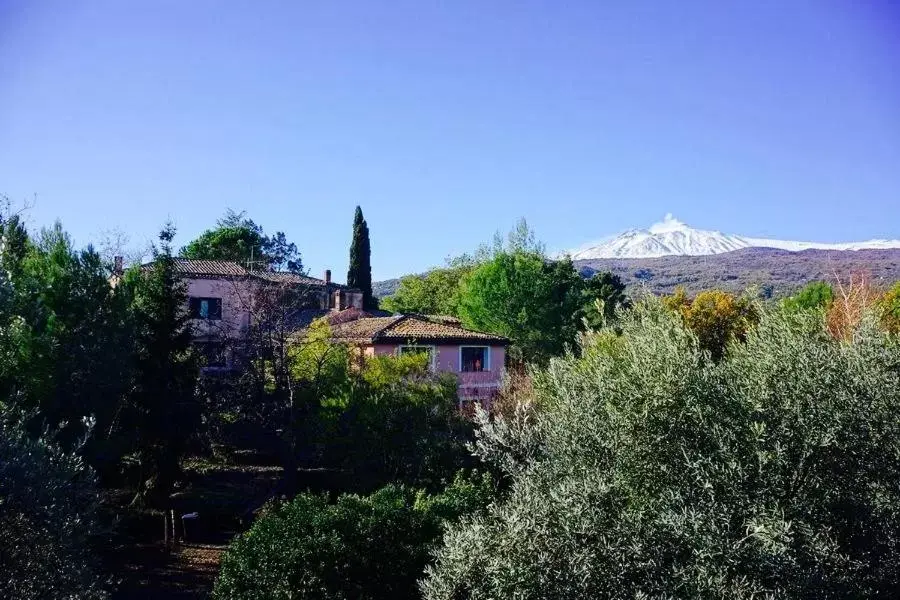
(449, 120)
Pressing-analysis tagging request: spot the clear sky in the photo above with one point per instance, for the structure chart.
(448, 120)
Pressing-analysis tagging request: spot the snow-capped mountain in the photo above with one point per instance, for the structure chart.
(672, 237)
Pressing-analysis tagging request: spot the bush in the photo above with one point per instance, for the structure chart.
(396, 422)
(889, 307)
(717, 318)
(817, 295)
(47, 516)
(360, 547)
(650, 471)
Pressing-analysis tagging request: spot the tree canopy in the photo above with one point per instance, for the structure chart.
(237, 238)
(601, 296)
(526, 298)
(644, 469)
(435, 293)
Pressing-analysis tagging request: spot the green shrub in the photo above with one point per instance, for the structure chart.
(396, 422)
(651, 471)
(889, 307)
(359, 547)
(817, 295)
(47, 516)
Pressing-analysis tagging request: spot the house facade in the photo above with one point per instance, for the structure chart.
(225, 299)
(477, 359)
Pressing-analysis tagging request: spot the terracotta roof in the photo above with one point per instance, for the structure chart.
(216, 268)
(354, 314)
(292, 278)
(414, 327)
(362, 330)
(400, 329)
(198, 268)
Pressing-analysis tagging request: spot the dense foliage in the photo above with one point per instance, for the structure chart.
(359, 274)
(817, 295)
(358, 547)
(239, 239)
(163, 409)
(644, 469)
(526, 298)
(63, 330)
(889, 309)
(602, 295)
(717, 318)
(393, 420)
(435, 293)
(47, 517)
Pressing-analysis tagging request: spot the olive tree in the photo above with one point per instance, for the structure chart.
(48, 509)
(645, 469)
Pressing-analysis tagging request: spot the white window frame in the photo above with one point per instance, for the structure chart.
(432, 348)
(487, 358)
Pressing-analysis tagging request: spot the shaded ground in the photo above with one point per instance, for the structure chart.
(189, 571)
(224, 497)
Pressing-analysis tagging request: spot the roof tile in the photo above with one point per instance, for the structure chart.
(424, 329)
(398, 329)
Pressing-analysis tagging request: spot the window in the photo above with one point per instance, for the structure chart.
(426, 350)
(474, 358)
(205, 308)
(212, 354)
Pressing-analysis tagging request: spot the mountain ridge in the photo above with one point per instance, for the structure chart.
(671, 237)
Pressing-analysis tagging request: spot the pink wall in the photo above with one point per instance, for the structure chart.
(479, 385)
(236, 300)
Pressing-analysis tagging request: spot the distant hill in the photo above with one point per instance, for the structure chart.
(382, 289)
(778, 272)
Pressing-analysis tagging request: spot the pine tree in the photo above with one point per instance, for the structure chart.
(165, 411)
(359, 276)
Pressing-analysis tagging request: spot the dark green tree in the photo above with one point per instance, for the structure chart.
(164, 409)
(601, 296)
(68, 336)
(237, 238)
(359, 275)
(362, 547)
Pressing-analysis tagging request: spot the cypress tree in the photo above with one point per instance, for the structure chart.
(359, 275)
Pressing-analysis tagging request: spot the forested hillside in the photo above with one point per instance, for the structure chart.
(778, 272)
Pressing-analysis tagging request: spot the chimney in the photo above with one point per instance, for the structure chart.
(327, 276)
(118, 265)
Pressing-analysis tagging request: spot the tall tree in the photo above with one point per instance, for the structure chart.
(603, 294)
(521, 295)
(165, 411)
(66, 342)
(435, 293)
(359, 275)
(238, 238)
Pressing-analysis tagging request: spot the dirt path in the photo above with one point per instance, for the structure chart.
(187, 572)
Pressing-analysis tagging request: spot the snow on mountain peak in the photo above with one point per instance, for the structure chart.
(673, 237)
